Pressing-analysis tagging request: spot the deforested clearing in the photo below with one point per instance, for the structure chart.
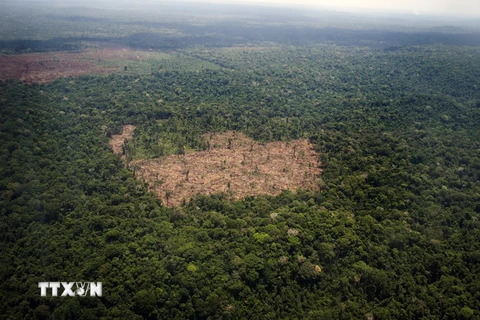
(233, 164)
(117, 141)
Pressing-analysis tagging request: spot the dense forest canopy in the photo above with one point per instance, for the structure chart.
(392, 109)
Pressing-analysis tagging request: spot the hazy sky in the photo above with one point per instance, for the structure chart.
(457, 7)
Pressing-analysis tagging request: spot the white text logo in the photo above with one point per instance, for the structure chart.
(71, 289)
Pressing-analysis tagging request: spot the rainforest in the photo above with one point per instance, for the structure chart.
(237, 162)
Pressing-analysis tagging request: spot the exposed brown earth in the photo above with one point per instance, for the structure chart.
(48, 66)
(117, 141)
(234, 164)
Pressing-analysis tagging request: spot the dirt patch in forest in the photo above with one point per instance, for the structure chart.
(233, 164)
(47, 66)
(117, 141)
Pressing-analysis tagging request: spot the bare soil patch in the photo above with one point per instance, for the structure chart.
(234, 164)
(117, 141)
(48, 66)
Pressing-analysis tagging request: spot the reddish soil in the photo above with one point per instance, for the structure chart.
(48, 66)
(234, 164)
(118, 140)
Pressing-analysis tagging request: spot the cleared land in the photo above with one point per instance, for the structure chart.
(48, 66)
(117, 141)
(234, 164)
(103, 58)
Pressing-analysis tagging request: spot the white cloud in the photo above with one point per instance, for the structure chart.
(465, 7)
